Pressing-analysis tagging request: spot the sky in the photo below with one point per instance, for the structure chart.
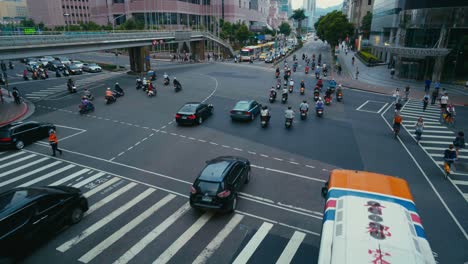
(320, 3)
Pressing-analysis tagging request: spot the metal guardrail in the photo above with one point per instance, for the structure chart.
(31, 41)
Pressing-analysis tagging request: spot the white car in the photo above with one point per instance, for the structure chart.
(46, 60)
(32, 65)
(78, 64)
(63, 60)
(91, 67)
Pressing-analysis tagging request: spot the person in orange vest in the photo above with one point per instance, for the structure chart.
(54, 142)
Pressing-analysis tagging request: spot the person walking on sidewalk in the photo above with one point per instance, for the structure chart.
(419, 127)
(357, 72)
(392, 72)
(16, 95)
(396, 95)
(427, 83)
(425, 101)
(437, 85)
(54, 142)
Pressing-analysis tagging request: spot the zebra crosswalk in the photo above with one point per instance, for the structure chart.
(38, 95)
(435, 138)
(134, 222)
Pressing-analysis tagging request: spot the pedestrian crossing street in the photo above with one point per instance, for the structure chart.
(80, 83)
(436, 138)
(135, 222)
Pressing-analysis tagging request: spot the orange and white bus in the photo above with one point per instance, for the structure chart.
(371, 218)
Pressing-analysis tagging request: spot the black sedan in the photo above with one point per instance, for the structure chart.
(19, 134)
(28, 214)
(217, 185)
(73, 69)
(193, 113)
(245, 110)
(55, 65)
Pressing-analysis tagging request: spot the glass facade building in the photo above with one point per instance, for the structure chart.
(423, 39)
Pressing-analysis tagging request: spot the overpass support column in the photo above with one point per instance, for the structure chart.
(137, 59)
(198, 50)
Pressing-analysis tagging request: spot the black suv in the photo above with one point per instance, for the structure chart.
(31, 213)
(21, 133)
(218, 183)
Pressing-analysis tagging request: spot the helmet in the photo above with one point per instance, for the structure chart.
(305, 101)
(264, 107)
(339, 85)
(175, 78)
(116, 83)
(108, 88)
(320, 98)
(51, 131)
(84, 97)
(289, 108)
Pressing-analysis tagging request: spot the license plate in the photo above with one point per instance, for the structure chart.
(184, 117)
(207, 199)
(239, 112)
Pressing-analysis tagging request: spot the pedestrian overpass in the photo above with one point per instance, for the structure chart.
(58, 43)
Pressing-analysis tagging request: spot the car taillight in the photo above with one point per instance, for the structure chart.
(5, 139)
(193, 190)
(247, 113)
(224, 194)
(177, 116)
(191, 117)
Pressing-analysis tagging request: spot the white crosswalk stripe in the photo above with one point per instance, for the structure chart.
(436, 136)
(110, 194)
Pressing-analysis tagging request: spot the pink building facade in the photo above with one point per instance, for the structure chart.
(59, 12)
(179, 14)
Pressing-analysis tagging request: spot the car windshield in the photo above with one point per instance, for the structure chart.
(243, 105)
(189, 108)
(72, 66)
(209, 187)
(77, 62)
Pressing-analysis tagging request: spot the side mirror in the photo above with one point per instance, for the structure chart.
(324, 192)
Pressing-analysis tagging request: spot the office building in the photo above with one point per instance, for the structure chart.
(59, 12)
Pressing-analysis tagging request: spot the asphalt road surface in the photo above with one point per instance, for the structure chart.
(136, 166)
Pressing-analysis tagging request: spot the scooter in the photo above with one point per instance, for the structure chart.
(57, 74)
(10, 65)
(303, 114)
(278, 86)
(166, 81)
(86, 109)
(319, 112)
(294, 68)
(25, 77)
(307, 70)
(272, 98)
(317, 75)
(339, 97)
(284, 99)
(111, 99)
(302, 90)
(327, 100)
(72, 88)
(288, 122)
(291, 89)
(66, 73)
(118, 94)
(277, 74)
(264, 121)
(177, 88)
(324, 74)
(151, 93)
(316, 97)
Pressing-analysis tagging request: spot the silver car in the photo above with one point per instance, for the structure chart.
(91, 67)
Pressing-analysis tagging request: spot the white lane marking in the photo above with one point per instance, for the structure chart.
(242, 194)
(278, 159)
(201, 140)
(216, 88)
(218, 240)
(432, 136)
(432, 131)
(442, 155)
(152, 235)
(213, 143)
(90, 255)
(435, 142)
(378, 112)
(253, 244)
(460, 182)
(359, 108)
(425, 122)
(16, 161)
(265, 156)
(101, 187)
(69, 177)
(293, 162)
(99, 224)
(462, 230)
(251, 152)
(442, 149)
(238, 149)
(166, 256)
(288, 173)
(164, 132)
(48, 175)
(309, 166)
(291, 248)
(12, 155)
(89, 179)
(174, 134)
(416, 117)
(225, 146)
(191, 138)
(22, 167)
(22, 176)
(110, 197)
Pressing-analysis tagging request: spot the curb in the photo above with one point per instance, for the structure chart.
(25, 111)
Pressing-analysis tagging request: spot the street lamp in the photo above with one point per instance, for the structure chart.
(68, 24)
(113, 22)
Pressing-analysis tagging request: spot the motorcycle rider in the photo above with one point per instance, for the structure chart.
(265, 113)
(289, 113)
(291, 83)
(319, 104)
(109, 94)
(339, 90)
(302, 84)
(117, 88)
(328, 93)
(84, 102)
(277, 72)
(151, 90)
(304, 106)
(70, 83)
(284, 94)
(273, 92)
(166, 77)
(87, 93)
(176, 83)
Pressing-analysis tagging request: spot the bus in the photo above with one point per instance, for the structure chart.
(371, 218)
(249, 51)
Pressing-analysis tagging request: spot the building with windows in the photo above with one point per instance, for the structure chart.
(423, 39)
(357, 10)
(12, 11)
(59, 12)
(309, 8)
(181, 14)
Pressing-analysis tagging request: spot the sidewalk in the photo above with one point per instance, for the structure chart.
(11, 112)
(378, 79)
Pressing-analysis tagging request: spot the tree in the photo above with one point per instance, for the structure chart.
(90, 26)
(132, 24)
(285, 28)
(226, 31)
(366, 24)
(317, 23)
(27, 23)
(243, 34)
(299, 16)
(334, 27)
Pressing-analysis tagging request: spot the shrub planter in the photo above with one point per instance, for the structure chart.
(368, 59)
